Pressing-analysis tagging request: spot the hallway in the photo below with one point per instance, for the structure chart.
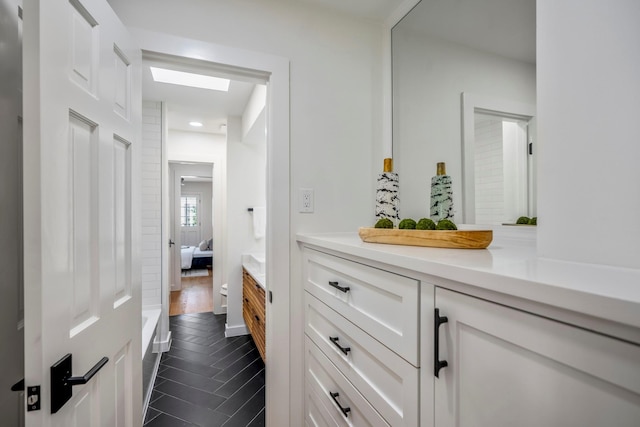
(207, 380)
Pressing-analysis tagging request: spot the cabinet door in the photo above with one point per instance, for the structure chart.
(510, 368)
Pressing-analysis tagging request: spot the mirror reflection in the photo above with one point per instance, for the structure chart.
(450, 61)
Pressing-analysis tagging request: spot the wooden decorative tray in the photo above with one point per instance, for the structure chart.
(456, 239)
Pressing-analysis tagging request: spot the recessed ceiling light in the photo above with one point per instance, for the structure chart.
(196, 124)
(189, 79)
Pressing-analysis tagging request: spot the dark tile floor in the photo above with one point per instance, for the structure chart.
(207, 380)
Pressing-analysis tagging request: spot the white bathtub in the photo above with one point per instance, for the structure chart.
(150, 319)
(150, 360)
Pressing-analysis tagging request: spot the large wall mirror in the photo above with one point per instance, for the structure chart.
(464, 87)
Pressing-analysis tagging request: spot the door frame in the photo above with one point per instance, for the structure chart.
(279, 240)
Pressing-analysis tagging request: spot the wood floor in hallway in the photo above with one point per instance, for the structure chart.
(196, 296)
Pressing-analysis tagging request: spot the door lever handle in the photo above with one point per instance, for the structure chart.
(171, 243)
(62, 381)
(86, 377)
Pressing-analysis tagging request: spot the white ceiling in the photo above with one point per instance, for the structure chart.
(461, 21)
(186, 104)
(503, 27)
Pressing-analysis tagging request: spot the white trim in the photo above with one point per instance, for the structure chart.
(469, 102)
(235, 331)
(161, 346)
(278, 253)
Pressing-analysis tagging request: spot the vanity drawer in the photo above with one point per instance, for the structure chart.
(387, 381)
(383, 304)
(254, 311)
(322, 380)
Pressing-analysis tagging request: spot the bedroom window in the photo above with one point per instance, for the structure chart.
(189, 211)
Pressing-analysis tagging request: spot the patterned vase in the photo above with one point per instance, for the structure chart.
(441, 206)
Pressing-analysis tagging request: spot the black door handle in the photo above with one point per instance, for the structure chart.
(19, 386)
(437, 363)
(171, 243)
(62, 381)
(344, 289)
(335, 340)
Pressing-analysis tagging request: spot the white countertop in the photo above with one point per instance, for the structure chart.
(254, 264)
(510, 267)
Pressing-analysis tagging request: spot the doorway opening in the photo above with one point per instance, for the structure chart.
(502, 168)
(191, 225)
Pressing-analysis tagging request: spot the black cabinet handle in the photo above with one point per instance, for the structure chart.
(345, 411)
(344, 289)
(437, 363)
(256, 316)
(62, 381)
(335, 340)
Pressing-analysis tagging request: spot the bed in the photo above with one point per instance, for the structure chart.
(194, 258)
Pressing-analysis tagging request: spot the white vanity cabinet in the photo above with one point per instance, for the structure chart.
(506, 367)
(362, 339)
(380, 319)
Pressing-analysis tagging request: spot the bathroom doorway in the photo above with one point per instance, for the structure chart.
(226, 128)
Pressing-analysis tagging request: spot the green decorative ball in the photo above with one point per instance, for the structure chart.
(425, 224)
(384, 223)
(407, 224)
(445, 224)
(533, 221)
(523, 220)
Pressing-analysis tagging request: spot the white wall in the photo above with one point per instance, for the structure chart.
(206, 201)
(253, 117)
(151, 206)
(429, 76)
(489, 175)
(201, 147)
(589, 104)
(246, 187)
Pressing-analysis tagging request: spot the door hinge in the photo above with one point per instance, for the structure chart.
(33, 398)
(530, 148)
(270, 297)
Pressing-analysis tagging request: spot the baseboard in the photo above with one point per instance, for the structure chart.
(235, 331)
(161, 346)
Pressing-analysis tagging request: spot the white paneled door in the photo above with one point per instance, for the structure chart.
(81, 155)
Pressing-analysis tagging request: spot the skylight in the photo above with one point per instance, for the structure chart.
(163, 75)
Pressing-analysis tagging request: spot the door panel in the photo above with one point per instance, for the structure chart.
(510, 368)
(11, 350)
(82, 133)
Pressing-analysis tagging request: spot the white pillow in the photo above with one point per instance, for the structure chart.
(203, 245)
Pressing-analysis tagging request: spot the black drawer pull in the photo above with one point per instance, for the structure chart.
(344, 289)
(256, 316)
(345, 411)
(437, 363)
(335, 340)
